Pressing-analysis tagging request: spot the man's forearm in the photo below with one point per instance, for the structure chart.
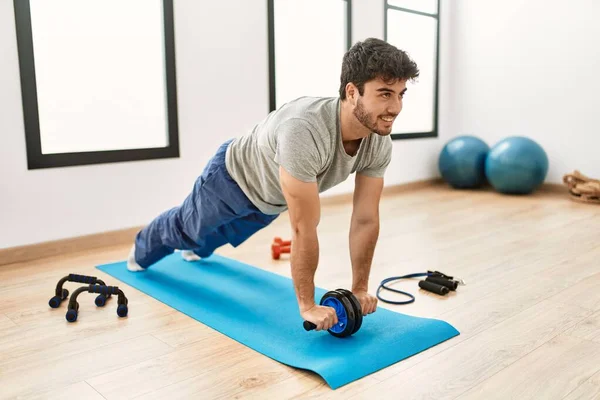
(304, 259)
(363, 238)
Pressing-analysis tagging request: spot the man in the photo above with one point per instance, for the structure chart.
(298, 151)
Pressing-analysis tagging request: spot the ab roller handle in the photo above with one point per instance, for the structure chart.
(348, 311)
(309, 326)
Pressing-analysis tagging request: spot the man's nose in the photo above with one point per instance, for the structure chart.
(395, 107)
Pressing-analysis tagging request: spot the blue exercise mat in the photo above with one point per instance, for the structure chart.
(258, 309)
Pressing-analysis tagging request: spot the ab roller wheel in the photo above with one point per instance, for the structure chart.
(357, 309)
(348, 310)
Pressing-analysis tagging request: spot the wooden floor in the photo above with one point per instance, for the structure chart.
(529, 315)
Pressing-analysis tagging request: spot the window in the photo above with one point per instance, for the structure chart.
(97, 81)
(307, 41)
(413, 26)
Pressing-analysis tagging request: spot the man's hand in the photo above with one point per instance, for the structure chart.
(368, 303)
(323, 317)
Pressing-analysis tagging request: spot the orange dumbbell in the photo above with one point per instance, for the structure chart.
(277, 250)
(282, 242)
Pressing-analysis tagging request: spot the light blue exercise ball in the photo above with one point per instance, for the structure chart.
(516, 165)
(462, 162)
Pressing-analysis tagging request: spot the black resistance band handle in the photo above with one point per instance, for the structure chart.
(434, 287)
(452, 285)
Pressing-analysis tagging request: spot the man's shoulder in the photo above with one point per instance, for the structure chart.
(310, 109)
(315, 114)
(308, 102)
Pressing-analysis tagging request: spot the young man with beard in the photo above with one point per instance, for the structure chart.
(298, 151)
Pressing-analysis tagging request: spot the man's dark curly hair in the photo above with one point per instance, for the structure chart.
(375, 58)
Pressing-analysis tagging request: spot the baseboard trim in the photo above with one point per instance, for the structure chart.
(57, 247)
(559, 188)
(124, 236)
(387, 191)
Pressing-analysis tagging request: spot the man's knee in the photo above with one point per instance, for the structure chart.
(173, 230)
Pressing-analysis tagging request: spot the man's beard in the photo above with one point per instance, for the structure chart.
(367, 120)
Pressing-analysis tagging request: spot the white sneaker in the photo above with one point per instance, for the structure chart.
(132, 265)
(189, 255)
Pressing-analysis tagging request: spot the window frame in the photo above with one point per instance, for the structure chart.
(38, 160)
(271, 38)
(435, 132)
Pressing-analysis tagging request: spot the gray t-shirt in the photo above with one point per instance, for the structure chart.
(304, 137)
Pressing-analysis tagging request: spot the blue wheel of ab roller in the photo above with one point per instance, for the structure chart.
(341, 314)
(348, 310)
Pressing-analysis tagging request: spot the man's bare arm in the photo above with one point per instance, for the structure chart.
(304, 210)
(364, 233)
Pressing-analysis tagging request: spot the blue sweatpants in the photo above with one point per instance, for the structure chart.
(215, 213)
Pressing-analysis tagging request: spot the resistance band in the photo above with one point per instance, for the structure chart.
(436, 282)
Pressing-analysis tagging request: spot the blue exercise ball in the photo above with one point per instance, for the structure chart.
(462, 162)
(516, 165)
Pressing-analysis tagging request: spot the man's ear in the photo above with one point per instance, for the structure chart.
(352, 93)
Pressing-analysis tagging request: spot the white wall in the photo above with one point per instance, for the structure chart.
(530, 68)
(222, 72)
